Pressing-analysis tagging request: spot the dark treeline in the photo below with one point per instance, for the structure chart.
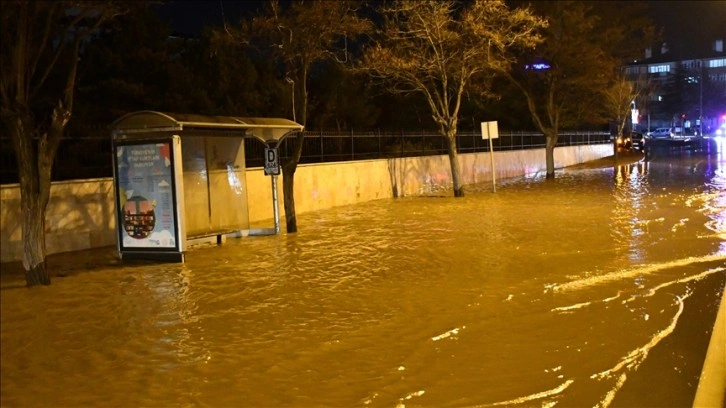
(136, 63)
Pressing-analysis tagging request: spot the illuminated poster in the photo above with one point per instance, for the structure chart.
(145, 177)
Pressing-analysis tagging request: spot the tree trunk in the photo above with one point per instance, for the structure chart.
(35, 149)
(289, 168)
(34, 253)
(34, 195)
(551, 139)
(288, 184)
(288, 193)
(455, 168)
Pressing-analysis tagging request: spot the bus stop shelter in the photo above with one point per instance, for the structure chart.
(181, 178)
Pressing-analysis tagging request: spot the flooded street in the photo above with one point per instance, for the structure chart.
(597, 289)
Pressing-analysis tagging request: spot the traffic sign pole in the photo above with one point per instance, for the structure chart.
(490, 130)
(494, 172)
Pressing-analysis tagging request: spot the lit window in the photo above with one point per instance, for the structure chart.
(659, 68)
(717, 63)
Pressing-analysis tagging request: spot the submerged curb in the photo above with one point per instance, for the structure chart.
(711, 389)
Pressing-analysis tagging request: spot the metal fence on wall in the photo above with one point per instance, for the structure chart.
(87, 154)
(331, 146)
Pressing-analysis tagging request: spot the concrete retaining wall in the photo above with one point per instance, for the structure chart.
(80, 213)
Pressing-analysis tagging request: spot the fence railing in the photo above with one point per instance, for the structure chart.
(89, 155)
(327, 146)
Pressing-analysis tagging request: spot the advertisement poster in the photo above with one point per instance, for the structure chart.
(146, 195)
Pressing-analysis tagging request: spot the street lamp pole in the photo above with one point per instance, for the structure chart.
(292, 86)
(700, 103)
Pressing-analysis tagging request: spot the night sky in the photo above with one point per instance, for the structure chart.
(690, 24)
(188, 17)
(686, 24)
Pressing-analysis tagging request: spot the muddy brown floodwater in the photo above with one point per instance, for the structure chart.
(597, 289)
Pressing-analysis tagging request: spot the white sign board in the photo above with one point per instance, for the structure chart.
(272, 162)
(489, 130)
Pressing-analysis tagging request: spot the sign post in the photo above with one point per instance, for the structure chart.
(490, 130)
(272, 168)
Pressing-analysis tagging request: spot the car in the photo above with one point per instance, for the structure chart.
(637, 140)
(624, 141)
(692, 131)
(661, 133)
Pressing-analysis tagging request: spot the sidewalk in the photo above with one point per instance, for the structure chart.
(711, 390)
(624, 157)
(12, 274)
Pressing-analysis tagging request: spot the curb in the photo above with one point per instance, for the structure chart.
(711, 390)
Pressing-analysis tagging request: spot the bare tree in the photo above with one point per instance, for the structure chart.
(298, 36)
(445, 49)
(40, 47)
(619, 97)
(563, 79)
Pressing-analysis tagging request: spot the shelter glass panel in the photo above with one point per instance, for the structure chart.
(227, 183)
(196, 186)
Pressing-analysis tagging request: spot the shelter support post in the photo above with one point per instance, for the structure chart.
(275, 204)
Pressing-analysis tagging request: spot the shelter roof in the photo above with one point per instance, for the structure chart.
(264, 129)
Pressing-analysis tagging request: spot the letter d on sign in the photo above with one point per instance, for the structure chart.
(272, 163)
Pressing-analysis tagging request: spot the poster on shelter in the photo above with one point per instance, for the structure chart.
(146, 195)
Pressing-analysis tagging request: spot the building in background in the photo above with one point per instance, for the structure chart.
(683, 90)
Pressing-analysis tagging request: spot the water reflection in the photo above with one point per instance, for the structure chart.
(631, 194)
(545, 293)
